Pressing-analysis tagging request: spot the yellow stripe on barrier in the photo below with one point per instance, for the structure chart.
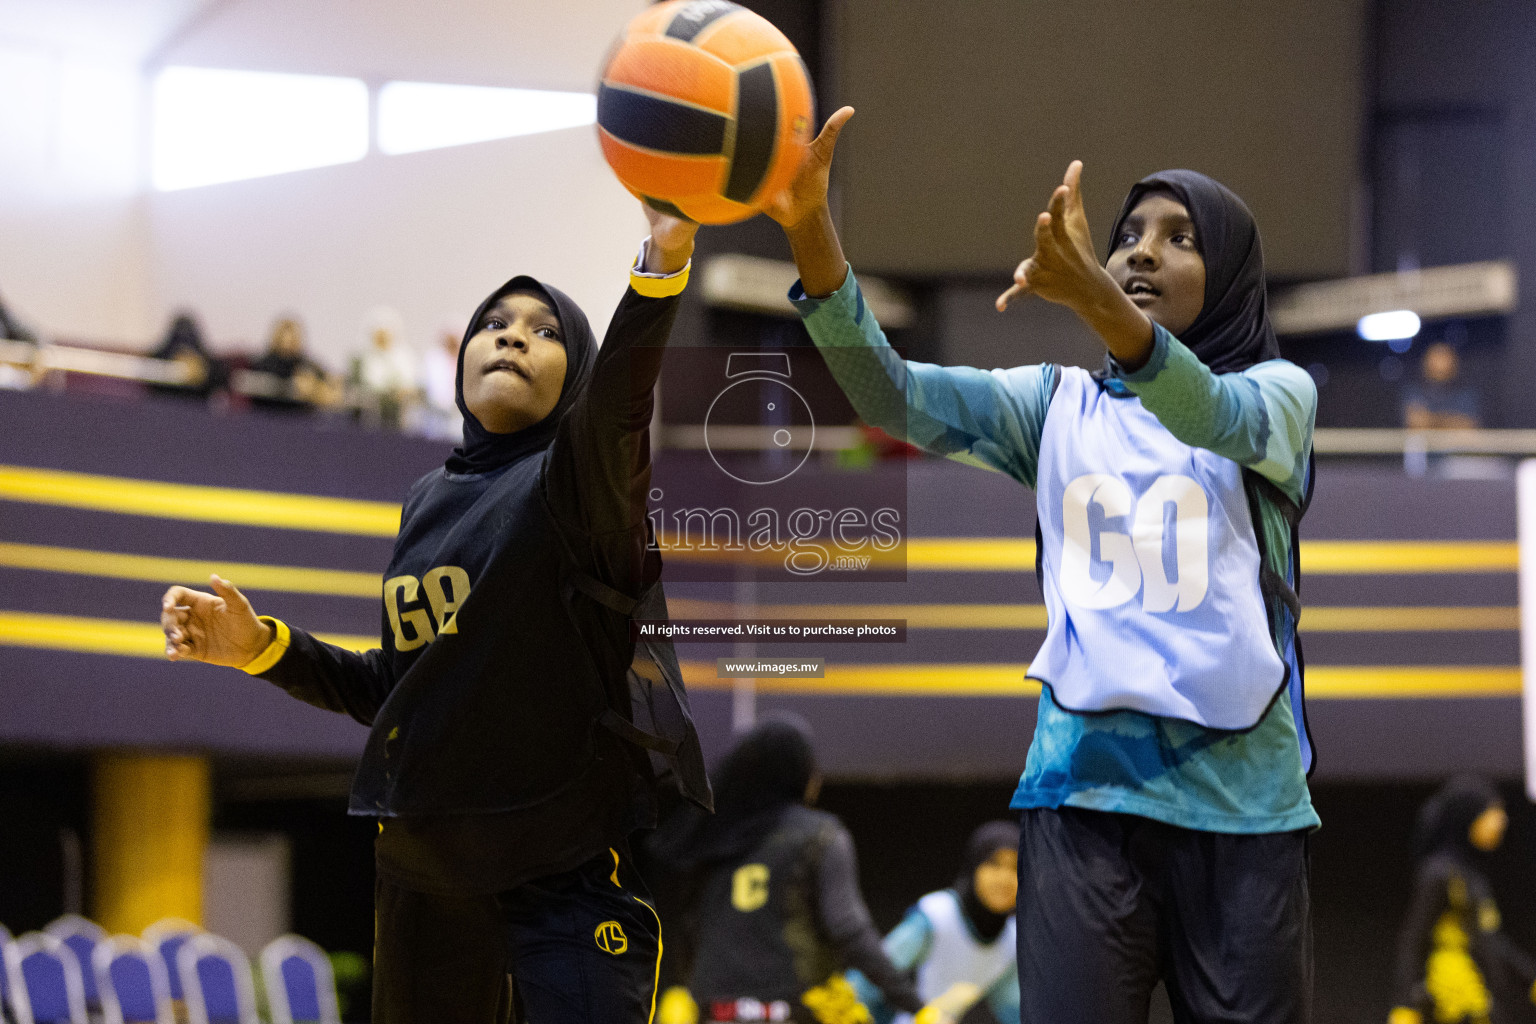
(113, 636)
(1368, 557)
(1321, 619)
(970, 554)
(1409, 619)
(1399, 681)
(145, 640)
(917, 616)
(1012, 554)
(344, 583)
(1325, 682)
(954, 680)
(282, 510)
(189, 571)
(197, 502)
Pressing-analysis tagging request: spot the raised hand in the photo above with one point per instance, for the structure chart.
(807, 192)
(671, 241)
(218, 628)
(1064, 268)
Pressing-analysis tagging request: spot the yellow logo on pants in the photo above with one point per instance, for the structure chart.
(610, 938)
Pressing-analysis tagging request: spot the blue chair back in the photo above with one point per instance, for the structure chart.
(135, 989)
(170, 950)
(81, 936)
(216, 977)
(83, 946)
(132, 981)
(45, 981)
(301, 987)
(167, 937)
(221, 1001)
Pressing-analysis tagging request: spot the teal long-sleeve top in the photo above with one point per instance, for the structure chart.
(1167, 769)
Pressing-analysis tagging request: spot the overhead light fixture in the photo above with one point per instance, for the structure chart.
(213, 125)
(1394, 325)
(416, 116)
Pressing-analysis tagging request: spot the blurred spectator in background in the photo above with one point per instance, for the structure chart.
(10, 328)
(1440, 400)
(284, 379)
(183, 344)
(438, 416)
(776, 912)
(16, 359)
(383, 377)
(1454, 963)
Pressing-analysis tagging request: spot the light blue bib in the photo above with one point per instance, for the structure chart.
(1150, 566)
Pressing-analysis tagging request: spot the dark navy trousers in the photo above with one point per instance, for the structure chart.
(580, 947)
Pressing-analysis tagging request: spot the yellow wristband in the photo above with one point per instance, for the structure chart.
(275, 650)
(661, 287)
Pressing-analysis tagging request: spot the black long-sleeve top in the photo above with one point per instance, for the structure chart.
(1453, 911)
(787, 915)
(484, 757)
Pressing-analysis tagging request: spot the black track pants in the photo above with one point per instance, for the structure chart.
(1111, 903)
(582, 947)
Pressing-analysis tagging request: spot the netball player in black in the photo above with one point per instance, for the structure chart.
(773, 909)
(504, 803)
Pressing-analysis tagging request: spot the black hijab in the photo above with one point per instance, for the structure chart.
(1233, 331)
(484, 451)
(1446, 818)
(766, 772)
(984, 842)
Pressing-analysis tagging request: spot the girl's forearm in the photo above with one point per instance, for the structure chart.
(1125, 330)
(818, 253)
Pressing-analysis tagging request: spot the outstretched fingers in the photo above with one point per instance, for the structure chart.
(175, 610)
(1073, 182)
(1019, 289)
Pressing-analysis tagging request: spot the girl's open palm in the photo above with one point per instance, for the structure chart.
(219, 628)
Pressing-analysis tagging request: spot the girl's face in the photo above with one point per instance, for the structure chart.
(1158, 264)
(997, 881)
(514, 364)
(1487, 830)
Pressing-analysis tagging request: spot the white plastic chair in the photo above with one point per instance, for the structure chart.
(216, 980)
(45, 982)
(131, 977)
(300, 984)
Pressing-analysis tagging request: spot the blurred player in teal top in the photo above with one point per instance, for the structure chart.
(959, 942)
(1164, 799)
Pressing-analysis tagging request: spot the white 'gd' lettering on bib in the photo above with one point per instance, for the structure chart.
(1151, 568)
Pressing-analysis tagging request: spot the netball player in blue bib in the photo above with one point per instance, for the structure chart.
(1164, 803)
